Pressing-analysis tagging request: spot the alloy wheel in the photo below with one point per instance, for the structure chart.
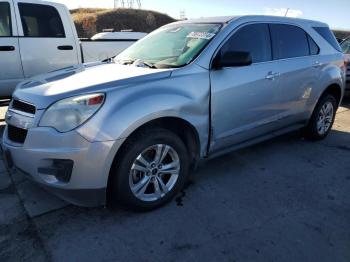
(154, 172)
(325, 118)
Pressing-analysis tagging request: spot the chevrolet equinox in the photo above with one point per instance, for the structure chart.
(129, 130)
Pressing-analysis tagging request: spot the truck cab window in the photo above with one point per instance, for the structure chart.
(5, 20)
(40, 21)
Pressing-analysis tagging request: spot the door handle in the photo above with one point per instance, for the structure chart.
(272, 75)
(65, 47)
(7, 48)
(317, 64)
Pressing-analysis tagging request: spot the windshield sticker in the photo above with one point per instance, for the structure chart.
(201, 35)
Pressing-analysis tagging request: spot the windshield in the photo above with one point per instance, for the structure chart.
(170, 46)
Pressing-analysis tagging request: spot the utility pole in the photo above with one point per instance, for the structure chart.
(119, 3)
(183, 15)
(127, 3)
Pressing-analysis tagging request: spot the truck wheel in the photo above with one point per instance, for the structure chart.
(150, 170)
(322, 119)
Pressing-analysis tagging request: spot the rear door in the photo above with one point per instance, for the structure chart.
(46, 40)
(244, 100)
(10, 62)
(299, 71)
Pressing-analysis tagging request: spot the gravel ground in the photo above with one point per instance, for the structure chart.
(283, 200)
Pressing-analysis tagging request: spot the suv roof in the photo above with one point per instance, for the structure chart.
(257, 18)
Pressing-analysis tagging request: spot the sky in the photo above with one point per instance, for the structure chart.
(334, 12)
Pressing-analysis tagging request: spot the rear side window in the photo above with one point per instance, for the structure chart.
(326, 33)
(254, 39)
(288, 41)
(5, 20)
(314, 49)
(40, 21)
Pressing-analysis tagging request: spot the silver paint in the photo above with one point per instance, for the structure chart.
(228, 108)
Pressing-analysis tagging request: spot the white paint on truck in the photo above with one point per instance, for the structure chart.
(92, 47)
(37, 37)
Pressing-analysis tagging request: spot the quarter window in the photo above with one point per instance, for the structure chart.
(40, 21)
(5, 20)
(254, 39)
(314, 49)
(288, 41)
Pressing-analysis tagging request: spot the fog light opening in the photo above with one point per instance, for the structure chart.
(61, 169)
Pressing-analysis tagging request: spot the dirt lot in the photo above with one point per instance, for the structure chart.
(283, 200)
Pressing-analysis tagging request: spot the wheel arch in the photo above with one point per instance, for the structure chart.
(181, 127)
(335, 90)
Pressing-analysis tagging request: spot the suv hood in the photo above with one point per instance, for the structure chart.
(46, 89)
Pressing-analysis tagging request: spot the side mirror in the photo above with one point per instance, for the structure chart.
(232, 59)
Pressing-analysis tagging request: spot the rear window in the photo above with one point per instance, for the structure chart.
(5, 20)
(326, 33)
(40, 21)
(288, 41)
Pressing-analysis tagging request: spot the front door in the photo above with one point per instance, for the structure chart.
(245, 100)
(11, 71)
(47, 42)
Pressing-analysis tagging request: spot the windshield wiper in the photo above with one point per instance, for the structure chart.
(141, 63)
(137, 62)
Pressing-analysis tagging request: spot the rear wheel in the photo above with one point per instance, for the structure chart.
(322, 119)
(151, 169)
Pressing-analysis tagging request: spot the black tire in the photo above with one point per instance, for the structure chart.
(311, 131)
(120, 190)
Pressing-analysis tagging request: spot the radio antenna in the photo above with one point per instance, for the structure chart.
(286, 12)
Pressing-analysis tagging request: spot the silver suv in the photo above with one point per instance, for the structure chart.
(130, 129)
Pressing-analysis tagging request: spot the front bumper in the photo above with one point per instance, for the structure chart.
(88, 178)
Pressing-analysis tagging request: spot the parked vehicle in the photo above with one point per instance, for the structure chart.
(129, 131)
(339, 40)
(107, 44)
(345, 45)
(38, 37)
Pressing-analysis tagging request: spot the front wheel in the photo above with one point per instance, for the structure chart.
(322, 119)
(152, 168)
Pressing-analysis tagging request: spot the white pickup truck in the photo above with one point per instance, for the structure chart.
(38, 37)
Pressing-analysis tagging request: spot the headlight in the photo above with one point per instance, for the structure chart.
(67, 114)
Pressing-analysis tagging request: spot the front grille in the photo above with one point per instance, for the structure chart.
(16, 134)
(23, 106)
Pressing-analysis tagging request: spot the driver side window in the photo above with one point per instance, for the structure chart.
(254, 39)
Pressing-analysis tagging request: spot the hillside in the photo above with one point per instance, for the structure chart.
(90, 21)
